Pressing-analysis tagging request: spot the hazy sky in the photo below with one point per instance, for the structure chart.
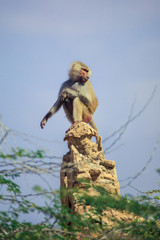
(119, 40)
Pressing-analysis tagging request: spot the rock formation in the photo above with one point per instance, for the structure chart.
(85, 161)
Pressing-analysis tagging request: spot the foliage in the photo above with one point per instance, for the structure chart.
(59, 222)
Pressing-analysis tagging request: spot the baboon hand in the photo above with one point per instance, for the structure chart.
(63, 95)
(43, 123)
(68, 93)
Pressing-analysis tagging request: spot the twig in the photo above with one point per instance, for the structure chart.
(146, 165)
(5, 135)
(123, 128)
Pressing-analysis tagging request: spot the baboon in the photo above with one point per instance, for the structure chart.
(77, 97)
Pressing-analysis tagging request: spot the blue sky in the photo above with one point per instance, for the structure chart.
(119, 40)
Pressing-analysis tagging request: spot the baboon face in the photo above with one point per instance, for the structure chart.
(79, 72)
(84, 75)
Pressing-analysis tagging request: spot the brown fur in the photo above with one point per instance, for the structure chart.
(77, 97)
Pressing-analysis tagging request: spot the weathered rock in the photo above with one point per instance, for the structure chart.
(85, 161)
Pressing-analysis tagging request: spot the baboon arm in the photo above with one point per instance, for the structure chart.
(68, 93)
(84, 99)
(55, 107)
(52, 111)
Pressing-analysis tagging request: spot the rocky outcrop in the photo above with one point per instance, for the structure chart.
(85, 161)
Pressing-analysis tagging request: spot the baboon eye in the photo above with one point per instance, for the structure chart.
(84, 69)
